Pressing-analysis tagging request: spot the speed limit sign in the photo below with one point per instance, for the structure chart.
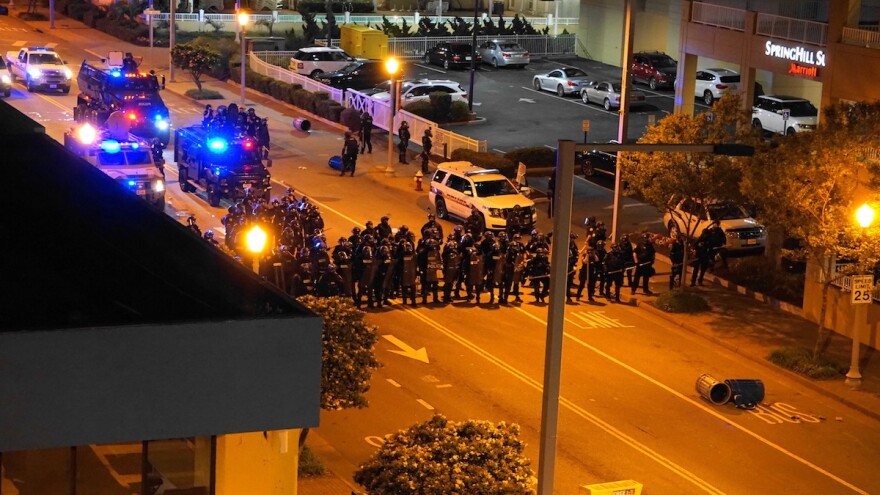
(862, 288)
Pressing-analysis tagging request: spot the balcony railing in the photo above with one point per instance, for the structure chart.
(861, 37)
(718, 16)
(789, 28)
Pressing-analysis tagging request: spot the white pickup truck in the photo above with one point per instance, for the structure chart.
(39, 68)
(5, 80)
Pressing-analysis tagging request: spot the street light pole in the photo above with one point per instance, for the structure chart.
(172, 5)
(243, 19)
(623, 118)
(473, 57)
(860, 300)
(392, 66)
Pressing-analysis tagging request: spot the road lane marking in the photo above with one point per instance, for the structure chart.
(571, 100)
(425, 404)
(393, 383)
(702, 407)
(571, 406)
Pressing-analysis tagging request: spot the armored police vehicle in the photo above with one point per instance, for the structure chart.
(121, 155)
(116, 84)
(222, 163)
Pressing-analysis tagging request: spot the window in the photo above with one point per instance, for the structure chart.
(555, 73)
(439, 175)
(457, 183)
(574, 72)
(488, 188)
(704, 76)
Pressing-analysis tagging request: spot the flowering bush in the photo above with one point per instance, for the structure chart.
(442, 457)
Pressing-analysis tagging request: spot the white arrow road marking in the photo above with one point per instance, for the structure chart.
(406, 350)
(526, 100)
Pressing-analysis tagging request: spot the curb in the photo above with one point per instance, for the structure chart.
(668, 317)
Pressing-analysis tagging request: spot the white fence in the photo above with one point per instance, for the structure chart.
(537, 45)
(845, 281)
(283, 74)
(718, 16)
(861, 37)
(791, 29)
(445, 142)
(363, 20)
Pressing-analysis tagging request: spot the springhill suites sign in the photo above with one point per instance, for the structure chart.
(795, 54)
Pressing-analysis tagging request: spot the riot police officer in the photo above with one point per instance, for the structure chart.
(451, 271)
(408, 268)
(645, 254)
(474, 272)
(538, 271)
(614, 272)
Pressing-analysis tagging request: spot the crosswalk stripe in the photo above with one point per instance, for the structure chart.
(19, 43)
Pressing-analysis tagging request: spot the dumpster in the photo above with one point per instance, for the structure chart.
(746, 393)
(625, 487)
(712, 390)
(363, 41)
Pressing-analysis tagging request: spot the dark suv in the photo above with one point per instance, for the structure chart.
(357, 75)
(452, 55)
(656, 69)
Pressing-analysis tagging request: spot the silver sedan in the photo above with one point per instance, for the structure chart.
(607, 94)
(504, 54)
(564, 81)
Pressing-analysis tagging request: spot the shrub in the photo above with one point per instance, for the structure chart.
(205, 94)
(459, 112)
(680, 301)
(304, 99)
(536, 156)
(442, 103)
(334, 111)
(229, 52)
(278, 89)
(291, 89)
(309, 464)
(802, 361)
(351, 118)
(423, 109)
(485, 160)
(358, 6)
(761, 274)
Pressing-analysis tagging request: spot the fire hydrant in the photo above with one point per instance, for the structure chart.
(418, 180)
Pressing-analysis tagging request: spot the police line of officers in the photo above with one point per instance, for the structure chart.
(379, 263)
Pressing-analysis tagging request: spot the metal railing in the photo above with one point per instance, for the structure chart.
(838, 279)
(369, 20)
(789, 28)
(861, 37)
(538, 45)
(282, 74)
(718, 16)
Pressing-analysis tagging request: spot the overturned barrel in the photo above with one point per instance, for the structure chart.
(712, 390)
(302, 124)
(746, 393)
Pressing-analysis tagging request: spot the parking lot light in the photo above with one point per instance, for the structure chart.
(392, 66)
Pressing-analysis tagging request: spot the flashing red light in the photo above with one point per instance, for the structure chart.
(132, 116)
(248, 145)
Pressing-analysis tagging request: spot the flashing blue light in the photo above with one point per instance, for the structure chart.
(134, 146)
(115, 73)
(162, 125)
(132, 183)
(110, 146)
(218, 145)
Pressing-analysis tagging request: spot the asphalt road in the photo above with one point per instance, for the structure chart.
(628, 408)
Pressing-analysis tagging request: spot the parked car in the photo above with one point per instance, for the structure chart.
(315, 60)
(457, 187)
(769, 114)
(744, 234)
(656, 69)
(564, 81)
(361, 74)
(593, 162)
(607, 94)
(412, 91)
(449, 55)
(504, 54)
(711, 84)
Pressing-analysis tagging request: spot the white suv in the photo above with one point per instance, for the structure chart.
(711, 84)
(316, 60)
(744, 233)
(456, 187)
(412, 91)
(784, 114)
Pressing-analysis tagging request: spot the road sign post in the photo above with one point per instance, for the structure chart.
(862, 295)
(786, 113)
(586, 128)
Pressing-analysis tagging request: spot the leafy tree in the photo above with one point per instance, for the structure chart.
(441, 457)
(268, 23)
(459, 27)
(809, 185)
(522, 26)
(311, 30)
(197, 59)
(393, 30)
(429, 28)
(347, 358)
(662, 179)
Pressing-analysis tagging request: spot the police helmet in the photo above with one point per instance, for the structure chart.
(209, 234)
(191, 220)
(517, 236)
(342, 240)
(428, 132)
(330, 268)
(457, 229)
(488, 234)
(600, 244)
(502, 236)
(572, 236)
(369, 223)
(646, 236)
(356, 230)
(384, 219)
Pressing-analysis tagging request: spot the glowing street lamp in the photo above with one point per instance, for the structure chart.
(392, 66)
(864, 217)
(243, 19)
(255, 240)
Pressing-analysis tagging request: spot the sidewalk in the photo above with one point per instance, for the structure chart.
(737, 322)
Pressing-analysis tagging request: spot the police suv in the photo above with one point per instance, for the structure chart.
(457, 187)
(123, 156)
(116, 83)
(222, 164)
